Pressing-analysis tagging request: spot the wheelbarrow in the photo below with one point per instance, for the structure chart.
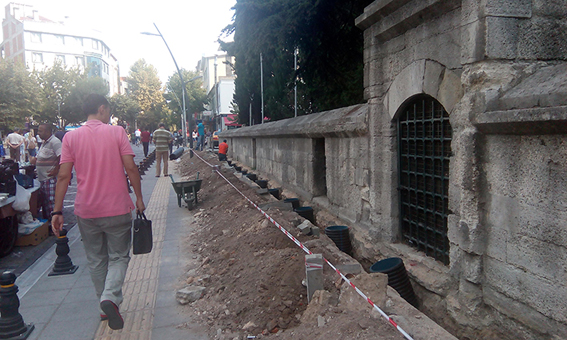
(187, 190)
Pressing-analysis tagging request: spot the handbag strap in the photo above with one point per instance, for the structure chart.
(141, 215)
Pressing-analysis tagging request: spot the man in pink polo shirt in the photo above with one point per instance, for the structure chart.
(100, 153)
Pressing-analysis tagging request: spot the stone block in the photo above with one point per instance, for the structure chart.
(262, 191)
(315, 231)
(502, 37)
(472, 42)
(313, 274)
(509, 8)
(373, 285)
(305, 227)
(286, 206)
(353, 268)
(537, 257)
(189, 294)
(543, 295)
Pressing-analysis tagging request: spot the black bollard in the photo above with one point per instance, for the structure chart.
(12, 325)
(63, 264)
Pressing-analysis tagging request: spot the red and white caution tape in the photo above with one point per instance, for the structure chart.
(305, 249)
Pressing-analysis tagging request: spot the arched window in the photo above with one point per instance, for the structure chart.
(424, 151)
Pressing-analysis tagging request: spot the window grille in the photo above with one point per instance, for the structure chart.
(424, 151)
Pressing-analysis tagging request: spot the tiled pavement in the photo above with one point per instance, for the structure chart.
(66, 307)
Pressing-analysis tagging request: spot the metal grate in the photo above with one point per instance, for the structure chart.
(424, 150)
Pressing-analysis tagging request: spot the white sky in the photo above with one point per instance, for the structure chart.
(190, 27)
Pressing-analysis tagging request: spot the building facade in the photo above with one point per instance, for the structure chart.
(218, 80)
(456, 162)
(39, 42)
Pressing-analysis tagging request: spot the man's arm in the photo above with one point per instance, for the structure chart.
(60, 190)
(134, 176)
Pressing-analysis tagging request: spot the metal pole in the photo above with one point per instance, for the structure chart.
(183, 90)
(295, 71)
(250, 114)
(262, 85)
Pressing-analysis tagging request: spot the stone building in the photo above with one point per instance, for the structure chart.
(457, 162)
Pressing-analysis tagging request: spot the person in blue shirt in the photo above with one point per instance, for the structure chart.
(201, 130)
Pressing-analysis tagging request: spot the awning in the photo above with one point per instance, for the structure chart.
(231, 120)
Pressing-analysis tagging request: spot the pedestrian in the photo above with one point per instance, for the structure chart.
(14, 141)
(31, 143)
(102, 204)
(138, 134)
(145, 137)
(47, 167)
(161, 138)
(60, 133)
(201, 130)
(38, 139)
(195, 135)
(171, 142)
(223, 149)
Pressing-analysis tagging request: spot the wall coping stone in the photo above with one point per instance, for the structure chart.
(545, 88)
(394, 17)
(532, 121)
(347, 122)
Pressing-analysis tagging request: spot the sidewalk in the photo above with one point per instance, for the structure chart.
(66, 307)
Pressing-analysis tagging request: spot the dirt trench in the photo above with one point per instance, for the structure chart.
(252, 272)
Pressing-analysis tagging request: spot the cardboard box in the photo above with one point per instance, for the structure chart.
(35, 238)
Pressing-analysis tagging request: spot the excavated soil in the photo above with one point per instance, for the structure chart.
(253, 273)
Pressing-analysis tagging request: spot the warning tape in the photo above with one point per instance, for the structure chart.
(305, 249)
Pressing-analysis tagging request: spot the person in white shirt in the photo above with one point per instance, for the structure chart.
(15, 141)
(138, 134)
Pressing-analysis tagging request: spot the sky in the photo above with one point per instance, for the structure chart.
(190, 27)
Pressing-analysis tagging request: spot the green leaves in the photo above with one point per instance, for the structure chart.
(19, 94)
(330, 64)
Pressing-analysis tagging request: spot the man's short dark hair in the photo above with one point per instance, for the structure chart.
(224, 141)
(161, 125)
(92, 103)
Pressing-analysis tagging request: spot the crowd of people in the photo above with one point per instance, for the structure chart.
(103, 206)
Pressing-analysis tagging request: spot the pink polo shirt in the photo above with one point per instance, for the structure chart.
(96, 151)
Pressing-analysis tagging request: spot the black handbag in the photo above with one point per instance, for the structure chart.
(142, 242)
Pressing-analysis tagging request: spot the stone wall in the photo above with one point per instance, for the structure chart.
(499, 69)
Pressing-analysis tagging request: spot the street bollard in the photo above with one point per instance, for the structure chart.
(12, 325)
(63, 264)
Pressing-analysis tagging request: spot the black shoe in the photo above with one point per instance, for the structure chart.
(115, 320)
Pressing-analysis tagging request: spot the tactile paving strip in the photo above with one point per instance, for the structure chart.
(140, 285)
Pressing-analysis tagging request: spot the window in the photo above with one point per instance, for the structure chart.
(95, 44)
(60, 39)
(105, 67)
(37, 57)
(80, 61)
(79, 41)
(424, 152)
(36, 37)
(60, 58)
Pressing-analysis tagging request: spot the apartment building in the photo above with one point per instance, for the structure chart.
(39, 42)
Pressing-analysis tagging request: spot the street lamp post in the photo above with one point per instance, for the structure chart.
(184, 91)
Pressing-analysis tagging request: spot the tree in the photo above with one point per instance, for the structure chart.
(19, 94)
(145, 88)
(195, 99)
(125, 108)
(56, 83)
(72, 108)
(330, 49)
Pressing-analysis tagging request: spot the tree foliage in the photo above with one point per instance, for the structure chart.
(63, 90)
(195, 99)
(146, 88)
(125, 108)
(330, 49)
(19, 94)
